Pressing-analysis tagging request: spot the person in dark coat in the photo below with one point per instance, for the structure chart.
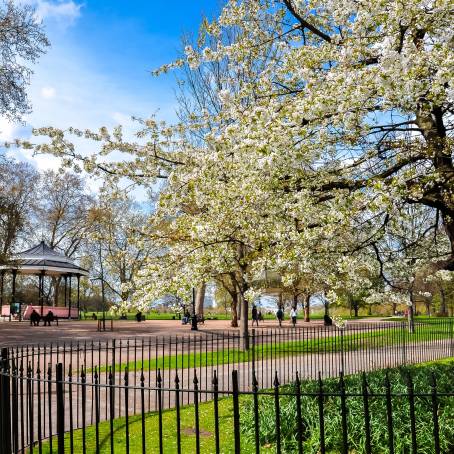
(48, 318)
(280, 316)
(327, 320)
(34, 318)
(255, 315)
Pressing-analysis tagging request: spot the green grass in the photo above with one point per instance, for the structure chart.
(420, 318)
(444, 371)
(355, 341)
(421, 376)
(187, 422)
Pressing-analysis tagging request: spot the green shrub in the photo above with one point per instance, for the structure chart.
(444, 374)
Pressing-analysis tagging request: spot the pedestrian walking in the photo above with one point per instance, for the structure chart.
(280, 316)
(293, 315)
(255, 315)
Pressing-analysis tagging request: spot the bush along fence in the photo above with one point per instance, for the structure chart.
(110, 396)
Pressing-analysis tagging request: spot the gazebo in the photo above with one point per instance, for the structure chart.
(42, 261)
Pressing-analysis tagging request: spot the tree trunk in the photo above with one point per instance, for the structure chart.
(431, 122)
(355, 308)
(411, 315)
(244, 328)
(394, 309)
(326, 304)
(443, 307)
(199, 299)
(295, 302)
(234, 321)
(307, 309)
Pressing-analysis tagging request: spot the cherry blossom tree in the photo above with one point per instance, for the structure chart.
(310, 163)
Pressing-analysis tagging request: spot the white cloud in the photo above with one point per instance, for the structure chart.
(48, 92)
(63, 11)
(40, 162)
(8, 131)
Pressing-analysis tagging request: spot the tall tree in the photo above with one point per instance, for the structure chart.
(61, 216)
(18, 182)
(116, 243)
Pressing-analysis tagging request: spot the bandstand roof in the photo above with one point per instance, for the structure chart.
(43, 258)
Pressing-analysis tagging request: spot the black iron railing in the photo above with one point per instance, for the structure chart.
(131, 396)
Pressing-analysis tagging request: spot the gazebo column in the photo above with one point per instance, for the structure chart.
(69, 297)
(13, 290)
(41, 291)
(78, 295)
(66, 290)
(2, 285)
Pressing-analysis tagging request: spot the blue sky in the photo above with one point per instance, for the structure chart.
(97, 71)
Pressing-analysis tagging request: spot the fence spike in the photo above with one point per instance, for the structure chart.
(276, 380)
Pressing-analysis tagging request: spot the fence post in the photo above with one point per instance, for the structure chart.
(196, 412)
(277, 413)
(216, 411)
(404, 351)
(253, 352)
(365, 393)
(299, 423)
(5, 418)
(60, 410)
(411, 401)
(389, 415)
(451, 340)
(436, 425)
(236, 411)
(2, 425)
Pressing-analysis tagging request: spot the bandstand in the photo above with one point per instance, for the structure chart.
(42, 261)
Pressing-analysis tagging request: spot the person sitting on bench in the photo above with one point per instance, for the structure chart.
(34, 318)
(327, 320)
(49, 317)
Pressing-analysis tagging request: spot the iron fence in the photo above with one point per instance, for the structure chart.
(293, 418)
(125, 396)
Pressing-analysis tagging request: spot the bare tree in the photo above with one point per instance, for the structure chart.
(61, 215)
(17, 194)
(115, 239)
(62, 211)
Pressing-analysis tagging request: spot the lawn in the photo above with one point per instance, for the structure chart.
(420, 318)
(443, 370)
(169, 430)
(354, 341)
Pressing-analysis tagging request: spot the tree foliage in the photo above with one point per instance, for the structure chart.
(22, 42)
(313, 161)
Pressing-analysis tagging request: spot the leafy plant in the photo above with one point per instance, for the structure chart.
(399, 379)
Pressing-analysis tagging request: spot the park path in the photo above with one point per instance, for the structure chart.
(308, 366)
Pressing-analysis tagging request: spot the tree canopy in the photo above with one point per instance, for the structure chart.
(331, 121)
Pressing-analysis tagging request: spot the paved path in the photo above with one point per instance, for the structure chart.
(21, 333)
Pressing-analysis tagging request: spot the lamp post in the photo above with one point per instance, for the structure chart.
(194, 315)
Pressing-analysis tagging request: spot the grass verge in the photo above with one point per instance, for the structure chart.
(358, 340)
(443, 370)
